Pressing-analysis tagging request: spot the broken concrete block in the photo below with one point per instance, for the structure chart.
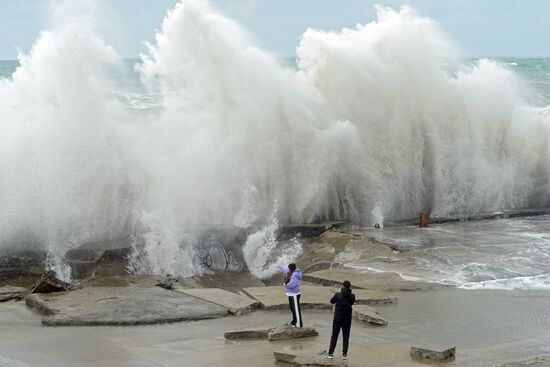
(246, 334)
(286, 332)
(307, 360)
(284, 357)
(9, 292)
(368, 314)
(236, 304)
(435, 354)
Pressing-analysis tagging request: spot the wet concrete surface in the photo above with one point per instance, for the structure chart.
(487, 328)
(121, 306)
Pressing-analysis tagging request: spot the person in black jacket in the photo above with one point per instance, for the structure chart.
(343, 302)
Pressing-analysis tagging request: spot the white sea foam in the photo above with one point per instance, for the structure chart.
(8, 362)
(373, 126)
(541, 282)
(263, 251)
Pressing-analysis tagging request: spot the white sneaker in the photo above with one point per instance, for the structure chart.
(344, 356)
(329, 356)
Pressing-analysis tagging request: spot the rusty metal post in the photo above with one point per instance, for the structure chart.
(423, 220)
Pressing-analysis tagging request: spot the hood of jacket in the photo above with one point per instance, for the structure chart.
(297, 273)
(346, 292)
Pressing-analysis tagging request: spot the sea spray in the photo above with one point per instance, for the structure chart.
(377, 123)
(263, 250)
(66, 169)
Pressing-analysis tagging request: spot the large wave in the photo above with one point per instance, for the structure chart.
(377, 121)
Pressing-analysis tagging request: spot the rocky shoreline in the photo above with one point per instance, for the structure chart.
(105, 295)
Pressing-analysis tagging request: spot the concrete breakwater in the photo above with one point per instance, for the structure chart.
(513, 213)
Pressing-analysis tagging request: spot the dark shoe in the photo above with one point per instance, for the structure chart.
(329, 356)
(344, 356)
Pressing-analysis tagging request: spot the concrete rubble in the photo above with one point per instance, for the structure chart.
(286, 332)
(283, 332)
(368, 315)
(307, 359)
(433, 353)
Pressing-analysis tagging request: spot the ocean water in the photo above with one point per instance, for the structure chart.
(491, 254)
(367, 124)
(533, 72)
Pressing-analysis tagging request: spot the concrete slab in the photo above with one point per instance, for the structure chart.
(376, 281)
(236, 304)
(9, 292)
(314, 297)
(307, 359)
(121, 306)
(274, 297)
(369, 315)
(232, 281)
(286, 332)
(283, 332)
(373, 297)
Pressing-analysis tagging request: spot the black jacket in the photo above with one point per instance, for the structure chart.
(343, 301)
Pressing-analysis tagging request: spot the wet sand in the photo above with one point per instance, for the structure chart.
(487, 328)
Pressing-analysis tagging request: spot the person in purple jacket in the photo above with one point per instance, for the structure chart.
(293, 289)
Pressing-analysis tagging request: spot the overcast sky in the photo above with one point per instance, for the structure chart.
(479, 27)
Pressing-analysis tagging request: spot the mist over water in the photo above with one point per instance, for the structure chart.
(375, 124)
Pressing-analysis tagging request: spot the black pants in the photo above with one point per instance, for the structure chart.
(294, 304)
(336, 326)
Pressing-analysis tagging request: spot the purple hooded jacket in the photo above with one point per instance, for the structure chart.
(294, 286)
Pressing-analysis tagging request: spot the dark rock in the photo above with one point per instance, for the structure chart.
(286, 332)
(21, 264)
(49, 283)
(305, 230)
(166, 284)
(100, 258)
(220, 247)
(434, 354)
